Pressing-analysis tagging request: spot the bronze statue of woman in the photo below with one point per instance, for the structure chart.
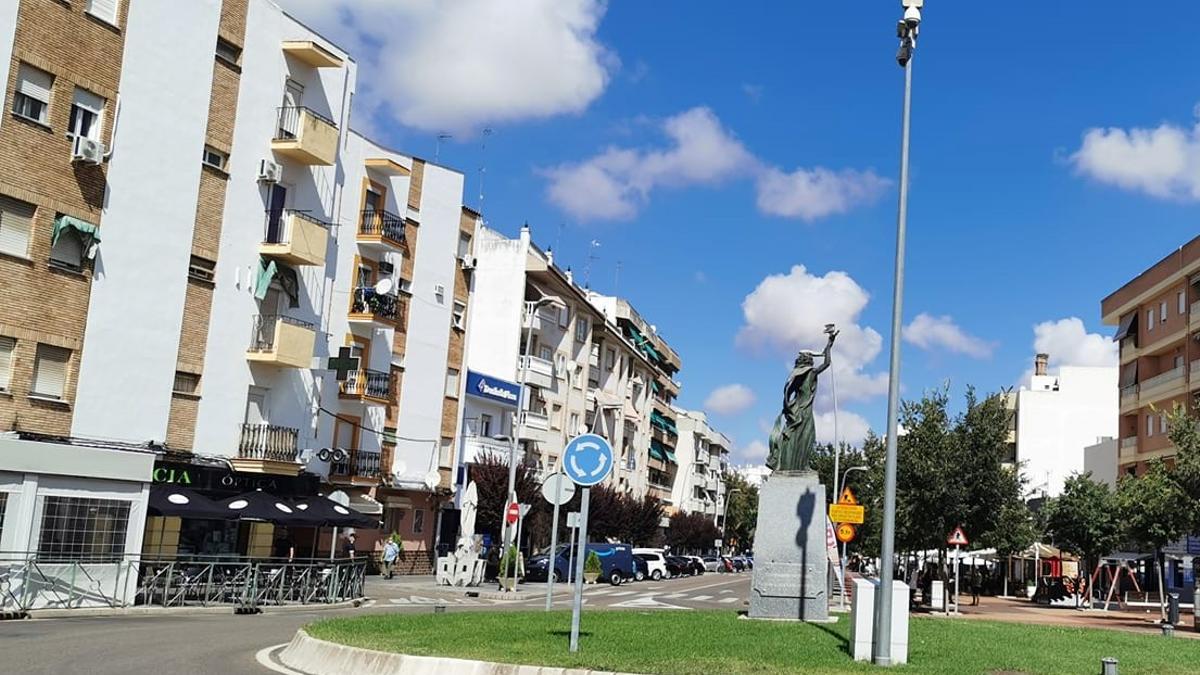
(795, 434)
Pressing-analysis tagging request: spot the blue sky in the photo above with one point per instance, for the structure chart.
(712, 149)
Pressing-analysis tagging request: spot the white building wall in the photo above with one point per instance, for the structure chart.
(1100, 460)
(1054, 425)
(291, 393)
(132, 337)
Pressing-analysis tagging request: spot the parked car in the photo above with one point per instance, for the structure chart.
(739, 563)
(616, 564)
(713, 564)
(696, 564)
(678, 566)
(640, 568)
(656, 563)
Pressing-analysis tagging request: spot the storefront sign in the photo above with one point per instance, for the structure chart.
(493, 389)
(222, 480)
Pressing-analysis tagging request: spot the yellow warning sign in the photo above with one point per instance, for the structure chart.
(846, 513)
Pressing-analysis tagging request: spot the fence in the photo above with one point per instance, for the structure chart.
(29, 583)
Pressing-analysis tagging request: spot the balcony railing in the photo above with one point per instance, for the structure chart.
(1196, 307)
(1130, 442)
(290, 116)
(296, 237)
(535, 420)
(359, 463)
(378, 224)
(379, 306)
(269, 442)
(305, 136)
(476, 446)
(1162, 378)
(367, 384)
(266, 334)
(1129, 394)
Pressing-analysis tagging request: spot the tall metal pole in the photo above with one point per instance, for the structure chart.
(552, 556)
(522, 369)
(837, 457)
(883, 604)
(580, 559)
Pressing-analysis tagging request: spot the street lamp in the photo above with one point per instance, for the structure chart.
(725, 515)
(522, 369)
(907, 30)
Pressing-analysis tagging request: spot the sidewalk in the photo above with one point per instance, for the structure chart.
(1016, 610)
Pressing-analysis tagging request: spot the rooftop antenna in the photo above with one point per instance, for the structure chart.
(487, 131)
(587, 271)
(437, 150)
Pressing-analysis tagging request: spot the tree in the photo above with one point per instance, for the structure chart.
(1016, 528)
(1083, 519)
(1155, 511)
(490, 474)
(741, 512)
(691, 532)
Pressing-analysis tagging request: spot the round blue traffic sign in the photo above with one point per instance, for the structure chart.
(587, 459)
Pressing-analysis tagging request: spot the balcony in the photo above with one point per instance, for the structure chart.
(361, 466)
(305, 137)
(1160, 386)
(1195, 308)
(266, 448)
(311, 53)
(281, 341)
(475, 447)
(538, 372)
(367, 306)
(380, 230)
(295, 237)
(534, 426)
(1129, 398)
(366, 385)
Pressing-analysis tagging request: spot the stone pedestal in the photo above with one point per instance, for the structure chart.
(790, 558)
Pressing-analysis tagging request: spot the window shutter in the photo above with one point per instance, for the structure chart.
(103, 9)
(88, 101)
(16, 221)
(35, 83)
(7, 347)
(50, 371)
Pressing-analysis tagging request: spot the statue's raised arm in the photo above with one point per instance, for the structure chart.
(794, 435)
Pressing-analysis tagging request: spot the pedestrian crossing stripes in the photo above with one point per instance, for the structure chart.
(728, 600)
(701, 598)
(675, 595)
(623, 593)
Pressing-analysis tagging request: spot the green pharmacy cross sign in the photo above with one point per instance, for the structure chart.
(343, 363)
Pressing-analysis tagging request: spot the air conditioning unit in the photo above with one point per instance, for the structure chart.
(87, 151)
(269, 172)
(467, 262)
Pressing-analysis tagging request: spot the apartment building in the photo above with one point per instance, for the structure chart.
(1056, 419)
(253, 236)
(703, 456)
(1157, 315)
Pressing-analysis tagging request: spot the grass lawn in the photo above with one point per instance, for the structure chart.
(719, 642)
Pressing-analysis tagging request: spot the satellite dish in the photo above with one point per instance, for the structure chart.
(432, 479)
(384, 286)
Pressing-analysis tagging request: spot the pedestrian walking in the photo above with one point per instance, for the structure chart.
(976, 583)
(391, 551)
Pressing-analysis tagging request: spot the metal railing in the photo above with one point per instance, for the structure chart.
(362, 463)
(1162, 378)
(277, 228)
(289, 121)
(1130, 442)
(370, 383)
(28, 582)
(376, 222)
(380, 305)
(262, 333)
(270, 442)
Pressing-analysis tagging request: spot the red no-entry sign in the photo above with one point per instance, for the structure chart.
(513, 513)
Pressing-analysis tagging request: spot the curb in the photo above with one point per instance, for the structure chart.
(108, 612)
(318, 657)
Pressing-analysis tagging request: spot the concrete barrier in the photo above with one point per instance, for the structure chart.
(318, 657)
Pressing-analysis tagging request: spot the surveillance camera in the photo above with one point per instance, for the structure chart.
(905, 54)
(912, 16)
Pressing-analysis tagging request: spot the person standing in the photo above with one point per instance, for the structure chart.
(391, 551)
(976, 583)
(348, 550)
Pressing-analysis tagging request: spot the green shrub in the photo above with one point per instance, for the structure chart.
(591, 564)
(508, 562)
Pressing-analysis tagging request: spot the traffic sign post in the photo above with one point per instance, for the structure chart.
(846, 513)
(586, 460)
(558, 491)
(957, 539)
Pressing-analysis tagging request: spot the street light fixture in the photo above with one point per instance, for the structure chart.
(725, 514)
(907, 31)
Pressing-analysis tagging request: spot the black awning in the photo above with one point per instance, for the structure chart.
(170, 500)
(1128, 326)
(1129, 375)
(259, 505)
(324, 512)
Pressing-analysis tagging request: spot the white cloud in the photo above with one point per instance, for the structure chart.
(788, 312)
(755, 452)
(1163, 162)
(461, 65)
(809, 194)
(729, 399)
(852, 428)
(1069, 344)
(940, 332)
(614, 184)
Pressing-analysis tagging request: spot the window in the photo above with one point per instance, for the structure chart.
(201, 269)
(556, 416)
(418, 521)
(186, 383)
(215, 158)
(7, 347)
(1150, 320)
(485, 425)
(464, 244)
(1178, 361)
(460, 315)
(67, 251)
(581, 329)
(610, 359)
(546, 353)
(564, 316)
(1182, 303)
(50, 371)
(452, 383)
(1149, 425)
(32, 96)
(16, 222)
(1162, 311)
(84, 530)
(446, 453)
(406, 286)
(227, 51)
(1162, 424)
(573, 428)
(85, 114)
(105, 10)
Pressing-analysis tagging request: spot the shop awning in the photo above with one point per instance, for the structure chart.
(657, 451)
(670, 455)
(263, 506)
(1128, 326)
(365, 504)
(324, 512)
(169, 500)
(88, 233)
(662, 422)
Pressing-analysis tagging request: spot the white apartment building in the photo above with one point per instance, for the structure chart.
(1056, 418)
(703, 456)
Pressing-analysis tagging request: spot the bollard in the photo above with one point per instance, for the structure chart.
(1173, 609)
(1108, 666)
(1168, 630)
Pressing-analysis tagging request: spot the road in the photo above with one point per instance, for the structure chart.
(227, 643)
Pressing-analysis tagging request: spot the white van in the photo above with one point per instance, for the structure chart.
(656, 564)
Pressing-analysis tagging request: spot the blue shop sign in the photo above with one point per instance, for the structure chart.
(493, 389)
